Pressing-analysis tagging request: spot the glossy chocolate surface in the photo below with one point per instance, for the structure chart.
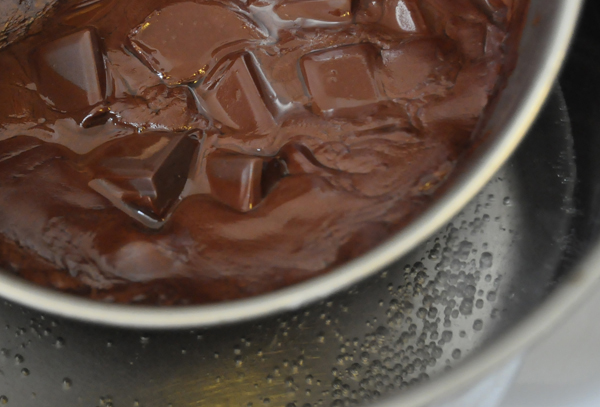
(173, 152)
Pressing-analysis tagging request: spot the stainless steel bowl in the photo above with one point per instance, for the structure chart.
(545, 40)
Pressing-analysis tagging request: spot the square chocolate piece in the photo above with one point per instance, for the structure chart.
(148, 170)
(183, 41)
(341, 78)
(71, 73)
(235, 179)
(238, 99)
(242, 181)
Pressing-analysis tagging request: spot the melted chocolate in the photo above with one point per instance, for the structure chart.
(173, 152)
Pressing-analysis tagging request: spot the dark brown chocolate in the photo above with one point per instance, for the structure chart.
(235, 179)
(70, 72)
(146, 172)
(175, 152)
(180, 42)
(341, 79)
(236, 98)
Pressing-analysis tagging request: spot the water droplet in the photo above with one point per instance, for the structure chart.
(470, 291)
(478, 325)
(144, 340)
(3, 400)
(19, 359)
(66, 383)
(486, 260)
(354, 370)
(507, 201)
(24, 372)
(456, 353)
(59, 343)
(466, 306)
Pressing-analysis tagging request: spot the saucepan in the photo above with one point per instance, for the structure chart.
(546, 35)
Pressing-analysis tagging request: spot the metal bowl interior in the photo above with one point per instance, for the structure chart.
(550, 25)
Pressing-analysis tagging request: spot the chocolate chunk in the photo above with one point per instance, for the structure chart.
(70, 72)
(238, 99)
(314, 12)
(235, 179)
(183, 41)
(340, 79)
(242, 181)
(415, 65)
(400, 16)
(148, 171)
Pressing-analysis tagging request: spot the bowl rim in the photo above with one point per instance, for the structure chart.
(25, 293)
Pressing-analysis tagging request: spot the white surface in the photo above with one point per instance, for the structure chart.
(564, 369)
(490, 391)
